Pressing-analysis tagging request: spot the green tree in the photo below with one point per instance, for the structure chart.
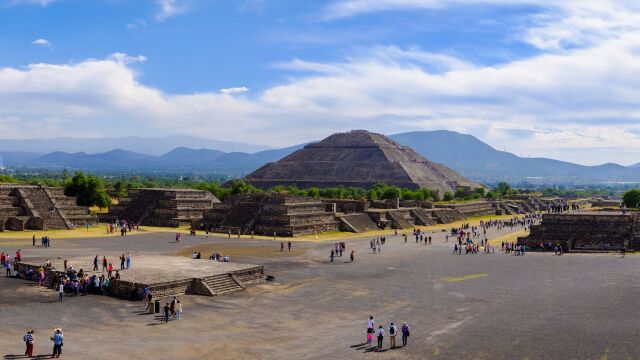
(631, 198)
(448, 196)
(88, 189)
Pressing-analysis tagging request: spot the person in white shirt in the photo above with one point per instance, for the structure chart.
(61, 292)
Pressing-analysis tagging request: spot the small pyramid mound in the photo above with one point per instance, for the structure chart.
(361, 159)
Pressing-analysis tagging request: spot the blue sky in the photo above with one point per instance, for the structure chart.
(538, 78)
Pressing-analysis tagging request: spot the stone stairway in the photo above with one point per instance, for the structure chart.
(223, 284)
(51, 217)
(400, 220)
(358, 223)
(422, 217)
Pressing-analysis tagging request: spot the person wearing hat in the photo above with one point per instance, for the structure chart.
(57, 343)
(28, 340)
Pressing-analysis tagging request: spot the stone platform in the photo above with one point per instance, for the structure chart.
(166, 275)
(586, 231)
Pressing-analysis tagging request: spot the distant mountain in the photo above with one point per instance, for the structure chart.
(463, 153)
(112, 160)
(143, 145)
(480, 162)
(16, 158)
(178, 160)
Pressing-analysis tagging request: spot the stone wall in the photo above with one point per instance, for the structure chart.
(162, 207)
(586, 231)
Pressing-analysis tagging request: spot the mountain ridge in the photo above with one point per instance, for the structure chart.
(462, 152)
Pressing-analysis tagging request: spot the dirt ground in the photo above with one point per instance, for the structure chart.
(495, 306)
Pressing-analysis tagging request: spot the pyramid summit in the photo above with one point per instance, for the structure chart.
(360, 159)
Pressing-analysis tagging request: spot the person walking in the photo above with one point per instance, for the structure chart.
(166, 313)
(380, 335)
(128, 260)
(178, 310)
(104, 264)
(57, 343)
(332, 254)
(370, 331)
(289, 245)
(393, 332)
(28, 341)
(405, 334)
(95, 263)
(61, 292)
(352, 255)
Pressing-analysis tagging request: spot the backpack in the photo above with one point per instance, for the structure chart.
(392, 330)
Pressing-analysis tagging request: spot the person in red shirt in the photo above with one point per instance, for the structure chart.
(18, 255)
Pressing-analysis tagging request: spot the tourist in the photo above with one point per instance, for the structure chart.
(332, 254)
(109, 270)
(352, 255)
(380, 334)
(369, 338)
(28, 341)
(405, 334)
(104, 263)
(178, 236)
(128, 260)
(61, 292)
(95, 263)
(57, 343)
(282, 246)
(392, 335)
(166, 313)
(370, 324)
(178, 310)
(33, 240)
(289, 245)
(122, 260)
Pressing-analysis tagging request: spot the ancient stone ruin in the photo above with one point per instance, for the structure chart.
(586, 231)
(161, 207)
(40, 208)
(359, 159)
(166, 276)
(269, 213)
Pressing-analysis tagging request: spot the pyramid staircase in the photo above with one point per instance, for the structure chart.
(223, 284)
(401, 220)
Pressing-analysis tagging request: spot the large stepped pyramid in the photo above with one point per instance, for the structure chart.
(360, 159)
(40, 208)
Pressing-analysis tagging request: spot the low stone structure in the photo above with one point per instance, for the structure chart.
(161, 207)
(471, 209)
(268, 214)
(167, 275)
(40, 208)
(586, 231)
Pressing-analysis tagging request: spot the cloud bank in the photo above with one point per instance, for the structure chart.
(577, 99)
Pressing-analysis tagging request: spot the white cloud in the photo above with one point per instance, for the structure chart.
(138, 23)
(42, 42)
(581, 100)
(122, 58)
(234, 90)
(558, 25)
(169, 8)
